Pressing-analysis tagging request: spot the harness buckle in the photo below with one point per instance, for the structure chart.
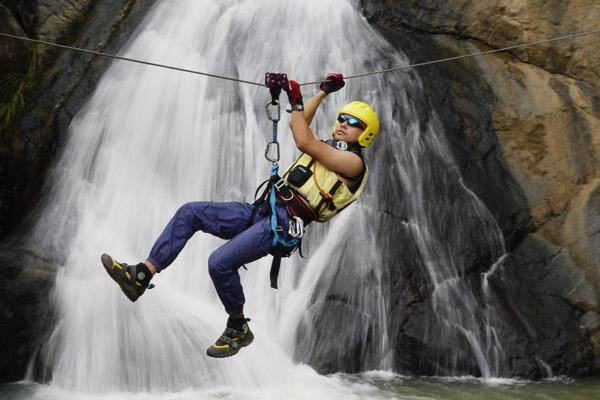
(272, 147)
(282, 187)
(291, 196)
(279, 184)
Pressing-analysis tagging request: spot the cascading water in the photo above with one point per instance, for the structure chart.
(149, 140)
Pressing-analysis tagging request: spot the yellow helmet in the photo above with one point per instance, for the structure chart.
(367, 115)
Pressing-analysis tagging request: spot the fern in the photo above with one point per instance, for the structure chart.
(14, 88)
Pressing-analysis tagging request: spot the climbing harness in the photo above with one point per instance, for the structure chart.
(409, 66)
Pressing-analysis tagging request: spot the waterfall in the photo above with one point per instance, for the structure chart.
(149, 140)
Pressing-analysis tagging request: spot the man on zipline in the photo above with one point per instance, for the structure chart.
(325, 179)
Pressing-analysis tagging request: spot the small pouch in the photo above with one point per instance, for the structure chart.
(299, 175)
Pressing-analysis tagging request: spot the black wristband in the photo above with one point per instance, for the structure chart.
(295, 107)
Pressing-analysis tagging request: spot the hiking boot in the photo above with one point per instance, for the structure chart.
(231, 341)
(133, 279)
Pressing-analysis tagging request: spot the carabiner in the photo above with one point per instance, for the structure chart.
(276, 107)
(268, 150)
(296, 227)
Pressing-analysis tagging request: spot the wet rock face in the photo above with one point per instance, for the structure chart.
(543, 328)
(26, 283)
(502, 23)
(523, 127)
(61, 82)
(49, 19)
(12, 53)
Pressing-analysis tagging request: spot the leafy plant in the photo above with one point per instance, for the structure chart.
(15, 86)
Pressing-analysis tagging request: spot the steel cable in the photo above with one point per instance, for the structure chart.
(409, 66)
(98, 53)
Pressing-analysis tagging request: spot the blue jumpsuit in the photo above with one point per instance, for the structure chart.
(249, 238)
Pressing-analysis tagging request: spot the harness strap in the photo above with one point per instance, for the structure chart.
(298, 206)
(274, 273)
(277, 239)
(258, 190)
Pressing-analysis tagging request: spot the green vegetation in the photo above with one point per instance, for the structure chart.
(15, 86)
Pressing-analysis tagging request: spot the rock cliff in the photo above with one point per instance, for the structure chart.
(58, 81)
(524, 127)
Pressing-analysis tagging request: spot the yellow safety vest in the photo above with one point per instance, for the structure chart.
(325, 193)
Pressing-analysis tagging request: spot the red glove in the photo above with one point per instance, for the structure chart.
(335, 81)
(294, 94)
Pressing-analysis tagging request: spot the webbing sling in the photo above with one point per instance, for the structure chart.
(280, 246)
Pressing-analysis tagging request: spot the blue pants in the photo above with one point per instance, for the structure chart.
(249, 238)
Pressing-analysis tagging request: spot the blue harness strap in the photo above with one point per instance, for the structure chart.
(277, 239)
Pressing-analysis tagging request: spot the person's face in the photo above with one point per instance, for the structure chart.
(348, 129)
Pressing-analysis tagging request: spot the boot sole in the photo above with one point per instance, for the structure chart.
(233, 352)
(107, 261)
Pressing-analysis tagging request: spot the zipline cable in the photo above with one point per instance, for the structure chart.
(97, 53)
(463, 56)
(409, 66)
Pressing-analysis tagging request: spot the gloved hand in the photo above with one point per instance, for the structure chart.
(335, 81)
(294, 94)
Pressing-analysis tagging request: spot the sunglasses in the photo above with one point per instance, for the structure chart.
(353, 122)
